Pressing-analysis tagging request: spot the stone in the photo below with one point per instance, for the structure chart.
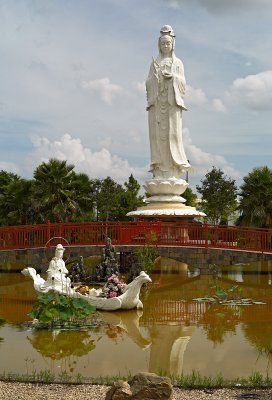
(120, 390)
(149, 386)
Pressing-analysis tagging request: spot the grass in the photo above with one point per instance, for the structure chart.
(196, 380)
(190, 381)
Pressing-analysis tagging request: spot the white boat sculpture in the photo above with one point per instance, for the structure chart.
(59, 282)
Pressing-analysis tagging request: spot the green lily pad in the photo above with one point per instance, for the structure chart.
(220, 315)
(207, 299)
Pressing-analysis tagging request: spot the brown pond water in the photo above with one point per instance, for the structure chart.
(173, 334)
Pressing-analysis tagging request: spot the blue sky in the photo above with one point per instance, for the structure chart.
(72, 83)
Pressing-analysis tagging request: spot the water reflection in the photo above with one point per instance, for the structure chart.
(173, 333)
(218, 321)
(60, 344)
(129, 322)
(257, 273)
(260, 335)
(168, 347)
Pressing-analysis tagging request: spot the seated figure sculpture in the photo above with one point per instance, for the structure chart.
(108, 250)
(57, 273)
(108, 265)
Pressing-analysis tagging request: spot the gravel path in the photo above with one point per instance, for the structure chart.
(28, 391)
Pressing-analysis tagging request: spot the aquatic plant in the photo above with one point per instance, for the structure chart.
(228, 296)
(54, 310)
(147, 255)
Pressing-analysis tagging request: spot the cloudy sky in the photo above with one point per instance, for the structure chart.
(72, 83)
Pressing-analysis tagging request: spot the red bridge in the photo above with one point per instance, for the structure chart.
(140, 232)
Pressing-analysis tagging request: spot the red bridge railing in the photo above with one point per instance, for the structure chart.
(140, 232)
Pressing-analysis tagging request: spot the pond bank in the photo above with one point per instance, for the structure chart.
(36, 391)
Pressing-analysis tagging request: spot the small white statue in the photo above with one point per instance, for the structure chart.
(56, 273)
(165, 87)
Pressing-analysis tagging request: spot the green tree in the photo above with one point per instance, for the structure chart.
(129, 198)
(6, 178)
(107, 199)
(218, 196)
(84, 198)
(190, 197)
(15, 200)
(256, 198)
(54, 190)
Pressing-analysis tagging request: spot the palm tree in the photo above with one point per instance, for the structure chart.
(54, 191)
(15, 201)
(256, 198)
(84, 197)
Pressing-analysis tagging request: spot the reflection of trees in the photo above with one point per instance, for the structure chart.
(63, 344)
(60, 344)
(2, 322)
(218, 321)
(260, 335)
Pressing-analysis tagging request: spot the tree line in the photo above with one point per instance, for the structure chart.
(57, 193)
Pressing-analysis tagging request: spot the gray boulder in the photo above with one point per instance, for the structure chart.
(150, 386)
(120, 390)
(143, 386)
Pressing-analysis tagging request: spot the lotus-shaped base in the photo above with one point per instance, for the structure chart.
(165, 190)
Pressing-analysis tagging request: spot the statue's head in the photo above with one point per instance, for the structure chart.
(166, 40)
(167, 30)
(59, 250)
(166, 45)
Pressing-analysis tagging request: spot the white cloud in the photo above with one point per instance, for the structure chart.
(230, 6)
(195, 96)
(106, 142)
(218, 106)
(134, 137)
(202, 161)
(98, 164)
(140, 87)
(9, 166)
(199, 98)
(253, 91)
(103, 87)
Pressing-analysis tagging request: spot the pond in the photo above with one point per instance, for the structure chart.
(174, 334)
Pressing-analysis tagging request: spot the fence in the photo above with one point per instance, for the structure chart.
(139, 232)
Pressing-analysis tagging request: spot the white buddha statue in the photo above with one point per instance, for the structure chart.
(165, 88)
(56, 273)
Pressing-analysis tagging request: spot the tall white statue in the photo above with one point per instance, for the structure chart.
(165, 88)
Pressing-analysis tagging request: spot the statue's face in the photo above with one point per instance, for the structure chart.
(59, 253)
(166, 45)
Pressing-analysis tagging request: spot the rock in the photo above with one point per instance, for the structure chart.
(150, 386)
(120, 390)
